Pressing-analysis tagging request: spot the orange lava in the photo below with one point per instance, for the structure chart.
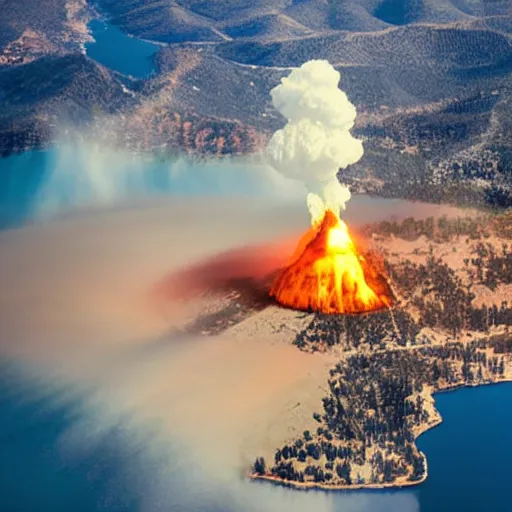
(327, 274)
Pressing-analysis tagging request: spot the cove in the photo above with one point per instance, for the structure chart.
(120, 52)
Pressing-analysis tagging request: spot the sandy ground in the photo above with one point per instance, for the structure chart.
(453, 253)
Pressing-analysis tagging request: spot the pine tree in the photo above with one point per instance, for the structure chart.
(259, 466)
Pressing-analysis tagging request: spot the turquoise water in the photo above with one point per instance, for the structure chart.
(21, 177)
(36, 183)
(117, 51)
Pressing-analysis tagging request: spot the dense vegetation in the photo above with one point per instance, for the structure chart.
(70, 88)
(375, 330)
(433, 291)
(458, 175)
(442, 229)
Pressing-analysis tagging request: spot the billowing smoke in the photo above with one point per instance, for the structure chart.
(316, 142)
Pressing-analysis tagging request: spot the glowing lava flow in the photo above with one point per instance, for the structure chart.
(327, 274)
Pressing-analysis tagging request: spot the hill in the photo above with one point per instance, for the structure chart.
(32, 29)
(430, 80)
(50, 91)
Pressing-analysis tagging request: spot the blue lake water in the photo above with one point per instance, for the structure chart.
(469, 460)
(394, 12)
(76, 175)
(35, 183)
(120, 52)
(21, 177)
(33, 475)
(470, 453)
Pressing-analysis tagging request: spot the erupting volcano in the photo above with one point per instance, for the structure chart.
(327, 274)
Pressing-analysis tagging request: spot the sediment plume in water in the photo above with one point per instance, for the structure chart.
(171, 416)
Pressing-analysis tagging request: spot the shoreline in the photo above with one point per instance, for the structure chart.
(305, 486)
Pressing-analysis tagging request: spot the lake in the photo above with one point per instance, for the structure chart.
(36, 183)
(394, 12)
(120, 52)
(469, 462)
(21, 177)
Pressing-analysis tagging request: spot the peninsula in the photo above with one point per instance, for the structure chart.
(450, 328)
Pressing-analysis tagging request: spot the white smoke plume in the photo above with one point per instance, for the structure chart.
(316, 142)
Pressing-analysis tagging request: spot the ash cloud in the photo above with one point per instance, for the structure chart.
(83, 172)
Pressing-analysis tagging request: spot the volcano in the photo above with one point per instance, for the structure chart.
(328, 275)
